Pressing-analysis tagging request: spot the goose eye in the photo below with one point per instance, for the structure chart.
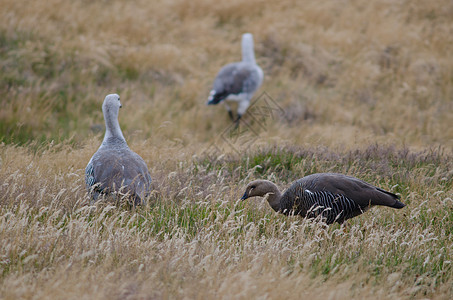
(252, 187)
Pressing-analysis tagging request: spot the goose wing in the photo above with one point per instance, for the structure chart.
(361, 192)
(234, 79)
(112, 170)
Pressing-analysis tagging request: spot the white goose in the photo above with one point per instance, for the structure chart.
(115, 167)
(238, 81)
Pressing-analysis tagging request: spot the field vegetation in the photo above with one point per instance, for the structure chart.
(361, 87)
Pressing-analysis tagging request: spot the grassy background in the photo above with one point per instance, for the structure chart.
(366, 89)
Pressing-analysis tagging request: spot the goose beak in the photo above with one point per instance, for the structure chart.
(245, 196)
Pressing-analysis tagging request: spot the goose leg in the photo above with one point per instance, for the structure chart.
(237, 121)
(230, 112)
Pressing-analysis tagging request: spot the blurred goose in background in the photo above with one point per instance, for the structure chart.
(333, 197)
(238, 81)
(115, 168)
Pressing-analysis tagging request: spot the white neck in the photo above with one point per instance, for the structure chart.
(112, 126)
(248, 54)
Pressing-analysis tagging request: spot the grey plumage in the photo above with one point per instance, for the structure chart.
(115, 167)
(334, 197)
(238, 81)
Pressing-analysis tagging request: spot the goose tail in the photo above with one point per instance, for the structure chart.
(398, 204)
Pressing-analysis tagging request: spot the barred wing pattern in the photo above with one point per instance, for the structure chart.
(329, 206)
(90, 181)
(332, 208)
(89, 175)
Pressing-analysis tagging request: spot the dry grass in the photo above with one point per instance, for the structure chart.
(359, 71)
(196, 240)
(349, 76)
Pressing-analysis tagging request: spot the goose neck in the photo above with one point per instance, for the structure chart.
(112, 127)
(248, 54)
(274, 197)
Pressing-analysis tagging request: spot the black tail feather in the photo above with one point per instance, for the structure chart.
(388, 193)
(398, 204)
(217, 98)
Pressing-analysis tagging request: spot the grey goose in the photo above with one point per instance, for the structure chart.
(115, 168)
(238, 81)
(331, 196)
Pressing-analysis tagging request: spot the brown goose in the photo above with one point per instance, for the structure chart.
(115, 167)
(336, 197)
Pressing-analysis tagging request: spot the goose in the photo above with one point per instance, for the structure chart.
(238, 81)
(334, 197)
(115, 168)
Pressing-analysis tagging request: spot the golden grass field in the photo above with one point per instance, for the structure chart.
(365, 88)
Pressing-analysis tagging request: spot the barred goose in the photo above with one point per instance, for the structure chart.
(238, 81)
(335, 197)
(115, 168)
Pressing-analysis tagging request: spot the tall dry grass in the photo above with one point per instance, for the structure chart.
(196, 240)
(342, 70)
(366, 90)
